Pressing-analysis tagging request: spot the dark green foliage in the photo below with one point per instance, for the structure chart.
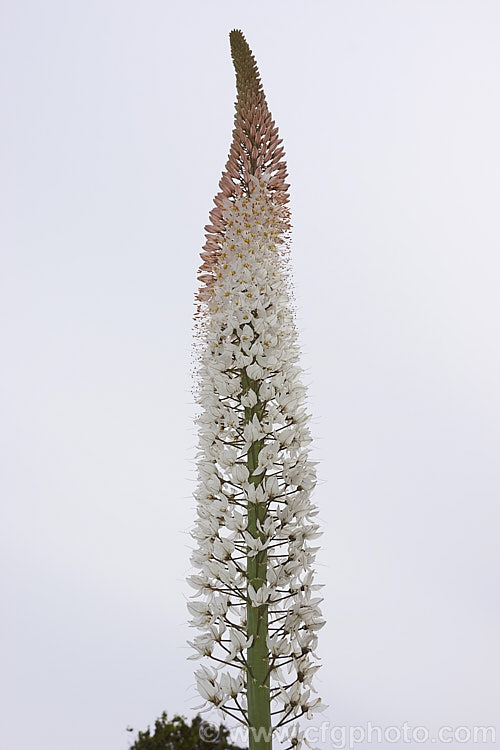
(176, 734)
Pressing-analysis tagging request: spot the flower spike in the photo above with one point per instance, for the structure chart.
(256, 607)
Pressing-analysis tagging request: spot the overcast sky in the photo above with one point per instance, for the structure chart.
(116, 123)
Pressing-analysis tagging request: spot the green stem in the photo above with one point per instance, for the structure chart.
(258, 693)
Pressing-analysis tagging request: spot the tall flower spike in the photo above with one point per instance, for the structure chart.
(259, 613)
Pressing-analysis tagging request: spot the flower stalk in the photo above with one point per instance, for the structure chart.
(258, 614)
(258, 680)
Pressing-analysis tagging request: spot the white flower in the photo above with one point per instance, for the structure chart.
(250, 398)
(278, 646)
(268, 455)
(254, 371)
(208, 687)
(255, 494)
(238, 642)
(252, 431)
(237, 522)
(313, 706)
(201, 613)
(259, 597)
(204, 645)
(223, 549)
(240, 473)
(254, 544)
(232, 686)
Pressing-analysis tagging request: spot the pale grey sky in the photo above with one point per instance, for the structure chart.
(116, 124)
